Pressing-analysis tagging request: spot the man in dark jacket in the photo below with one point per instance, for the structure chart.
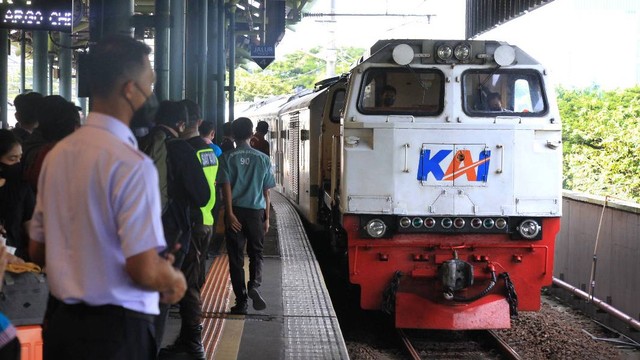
(182, 183)
(190, 339)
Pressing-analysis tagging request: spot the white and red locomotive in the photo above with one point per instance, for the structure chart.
(445, 198)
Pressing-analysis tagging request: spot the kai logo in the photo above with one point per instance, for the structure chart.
(453, 165)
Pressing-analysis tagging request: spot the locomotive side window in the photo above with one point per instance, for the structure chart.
(503, 92)
(402, 91)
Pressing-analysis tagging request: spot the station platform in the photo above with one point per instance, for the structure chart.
(299, 321)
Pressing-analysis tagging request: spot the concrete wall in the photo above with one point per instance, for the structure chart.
(617, 252)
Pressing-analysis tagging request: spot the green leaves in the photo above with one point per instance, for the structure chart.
(601, 133)
(298, 70)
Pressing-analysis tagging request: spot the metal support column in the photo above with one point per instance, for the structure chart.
(4, 50)
(23, 61)
(213, 39)
(64, 63)
(109, 17)
(40, 61)
(232, 60)
(222, 67)
(161, 52)
(191, 50)
(202, 55)
(176, 56)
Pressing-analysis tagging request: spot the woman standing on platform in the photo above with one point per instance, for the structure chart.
(16, 197)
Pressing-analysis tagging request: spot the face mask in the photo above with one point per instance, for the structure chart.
(143, 117)
(11, 172)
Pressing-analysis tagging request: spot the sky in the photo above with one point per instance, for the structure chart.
(581, 42)
(447, 21)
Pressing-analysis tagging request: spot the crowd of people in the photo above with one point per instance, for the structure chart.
(120, 210)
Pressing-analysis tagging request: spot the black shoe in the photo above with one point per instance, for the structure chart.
(258, 301)
(239, 308)
(194, 349)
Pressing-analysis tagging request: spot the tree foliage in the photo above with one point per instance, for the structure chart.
(298, 70)
(601, 135)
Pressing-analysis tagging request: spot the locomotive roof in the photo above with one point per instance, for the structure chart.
(481, 51)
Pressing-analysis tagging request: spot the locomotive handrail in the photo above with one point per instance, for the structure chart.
(406, 157)
(501, 148)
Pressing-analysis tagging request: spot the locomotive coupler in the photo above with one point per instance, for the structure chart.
(455, 274)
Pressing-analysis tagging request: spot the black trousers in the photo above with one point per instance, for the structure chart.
(194, 267)
(252, 235)
(97, 332)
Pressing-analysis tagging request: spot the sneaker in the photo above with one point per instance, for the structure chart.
(239, 308)
(258, 301)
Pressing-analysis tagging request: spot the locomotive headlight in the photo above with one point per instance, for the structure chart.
(462, 52)
(458, 223)
(476, 223)
(376, 228)
(417, 222)
(446, 223)
(444, 52)
(405, 222)
(529, 229)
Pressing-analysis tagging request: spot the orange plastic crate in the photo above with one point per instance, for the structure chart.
(30, 342)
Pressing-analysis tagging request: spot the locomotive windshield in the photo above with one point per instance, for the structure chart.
(503, 92)
(388, 91)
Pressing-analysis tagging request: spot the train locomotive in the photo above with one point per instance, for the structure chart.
(436, 166)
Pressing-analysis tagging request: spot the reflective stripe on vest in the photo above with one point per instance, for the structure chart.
(209, 163)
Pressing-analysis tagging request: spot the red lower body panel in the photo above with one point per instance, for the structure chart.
(417, 309)
(418, 296)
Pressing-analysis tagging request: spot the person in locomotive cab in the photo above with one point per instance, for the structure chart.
(99, 227)
(388, 96)
(258, 141)
(246, 177)
(494, 102)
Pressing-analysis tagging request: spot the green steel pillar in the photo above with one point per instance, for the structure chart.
(202, 54)
(176, 55)
(64, 62)
(191, 51)
(107, 17)
(40, 61)
(4, 50)
(232, 60)
(213, 39)
(161, 51)
(222, 67)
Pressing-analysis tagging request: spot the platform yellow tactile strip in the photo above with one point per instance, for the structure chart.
(215, 300)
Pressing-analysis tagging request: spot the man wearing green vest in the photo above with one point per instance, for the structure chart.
(193, 267)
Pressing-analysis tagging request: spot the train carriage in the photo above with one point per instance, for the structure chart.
(436, 165)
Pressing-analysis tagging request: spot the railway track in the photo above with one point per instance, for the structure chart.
(431, 344)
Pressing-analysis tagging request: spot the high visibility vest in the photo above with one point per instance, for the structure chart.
(209, 163)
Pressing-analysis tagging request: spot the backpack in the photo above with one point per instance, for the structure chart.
(154, 145)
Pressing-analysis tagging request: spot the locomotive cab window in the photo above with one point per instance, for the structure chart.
(387, 91)
(503, 92)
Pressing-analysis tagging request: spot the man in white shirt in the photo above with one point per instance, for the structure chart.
(97, 225)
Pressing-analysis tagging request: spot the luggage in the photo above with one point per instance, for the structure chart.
(24, 297)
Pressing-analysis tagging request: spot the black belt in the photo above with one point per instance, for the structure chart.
(110, 310)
